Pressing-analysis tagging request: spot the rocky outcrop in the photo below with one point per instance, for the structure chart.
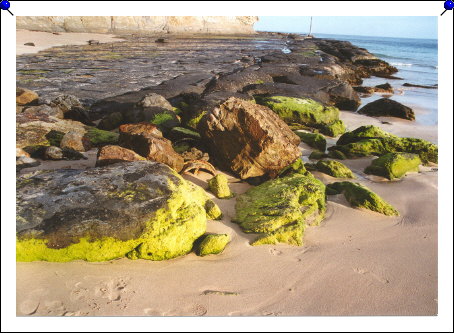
(140, 24)
(137, 209)
(248, 139)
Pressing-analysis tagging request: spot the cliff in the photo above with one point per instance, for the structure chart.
(140, 24)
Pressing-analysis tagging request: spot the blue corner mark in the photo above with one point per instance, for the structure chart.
(449, 5)
(4, 5)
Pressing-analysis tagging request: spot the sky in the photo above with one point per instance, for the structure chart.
(382, 26)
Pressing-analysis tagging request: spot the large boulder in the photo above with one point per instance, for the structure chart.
(281, 208)
(388, 108)
(363, 132)
(136, 209)
(248, 139)
(146, 140)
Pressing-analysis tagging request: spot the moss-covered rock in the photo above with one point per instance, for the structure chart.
(280, 208)
(363, 132)
(300, 110)
(394, 165)
(136, 209)
(333, 129)
(179, 133)
(213, 211)
(194, 122)
(427, 151)
(334, 168)
(296, 167)
(213, 244)
(314, 140)
(99, 137)
(336, 154)
(218, 185)
(317, 155)
(360, 196)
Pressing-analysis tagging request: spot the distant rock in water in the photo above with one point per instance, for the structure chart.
(248, 139)
(136, 209)
(435, 86)
(388, 108)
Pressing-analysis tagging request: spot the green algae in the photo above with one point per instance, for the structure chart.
(184, 132)
(337, 154)
(282, 202)
(300, 110)
(161, 118)
(213, 244)
(296, 167)
(360, 196)
(317, 155)
(218, 185)
(314, 140)
(213, 211)
(334, 168)
(98, 137)
(194, 122)
(290, 234)
(333, 129)
(394, 165)
(363, 132)
(170, 232)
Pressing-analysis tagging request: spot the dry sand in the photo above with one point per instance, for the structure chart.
(355, 263)
(45, 40)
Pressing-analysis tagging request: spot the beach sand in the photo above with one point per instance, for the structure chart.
(355, 263)
(45, 40)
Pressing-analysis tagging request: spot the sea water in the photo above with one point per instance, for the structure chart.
(417, 62)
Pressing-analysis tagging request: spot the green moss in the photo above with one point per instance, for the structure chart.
(213, 211)
(394, 165)
(300, 110)
(334, 168)
(259, 82)
(176, 110)
(333, 129)
(360, 196)
(170, 232)
(317, 155)
(194, 122)
(181, 147)
(363, 132)
(291, 234)
(314, 140)
(161, 118)
(282, 202)
(219, 186)
(296, 167)
(213, 244)
(54, 137)
(133, 192)
(98, 137)
(182, 132)
(336, 154)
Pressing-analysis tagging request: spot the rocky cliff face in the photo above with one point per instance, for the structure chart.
(140, 24)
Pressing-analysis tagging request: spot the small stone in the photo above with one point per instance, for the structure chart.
(213, 244)
(334, 169)
(219, 186)
(155, 100)
(93, 42)
(53, 153)
(29, 44)
(213, 211)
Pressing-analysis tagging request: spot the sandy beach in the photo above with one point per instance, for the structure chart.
(355, 263)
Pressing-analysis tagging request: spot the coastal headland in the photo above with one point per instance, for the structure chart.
(215, 175)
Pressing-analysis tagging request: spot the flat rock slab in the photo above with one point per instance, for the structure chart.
(136, 209)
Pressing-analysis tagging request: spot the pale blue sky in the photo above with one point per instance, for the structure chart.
(383, 26)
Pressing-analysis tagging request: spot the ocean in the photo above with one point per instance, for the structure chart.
(417, 62)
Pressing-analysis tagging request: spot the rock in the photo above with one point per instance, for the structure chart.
(111, 154)
(195, 154)
(336, 154)
(160, 40)
(364, 132)
(29, 44)
(163, 118)
(66, 102)
(213, 244)
(53, 153)
(98, 137)
(248, 139)
(427, 151)
(281, 208)
(20, 152)
(146, 140)
(23, 162)
(25, 96)
(314, 140)
(364, 90)
(394, 165)
(300, 110)
(179, 133)
(71, 154)
(334, 169)
(218, 185)
(74, 140)
(155, 100)
(333, 129)
(44, 109)
(93, 42)
(213, 211)
(344, 97)
(141, 210)
(387, 107)
(296, 167)
(111, 121)
(360, 196)
(384, 88)
(317, 155)
(19, 109)
(420, 86)
(79, 114)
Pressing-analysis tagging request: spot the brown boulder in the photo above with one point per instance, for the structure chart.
(75, 140)
(249, 139)
(25, 96)
(146, 140)
(388, 108)
(114, 154)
